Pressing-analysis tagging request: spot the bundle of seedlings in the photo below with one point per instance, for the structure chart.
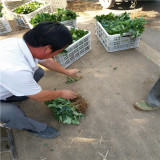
(119, 24)
(59, 16)
(68, 111)
(1, 14)
(72, 79)
(29, 7)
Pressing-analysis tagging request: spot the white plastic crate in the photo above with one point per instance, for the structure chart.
(22, 20)
(71, 23)
(115, 42)
(74, 51)
(4, 25)
(10, 5)
(59, 4)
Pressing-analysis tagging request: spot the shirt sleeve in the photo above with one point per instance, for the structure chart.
(20, 83)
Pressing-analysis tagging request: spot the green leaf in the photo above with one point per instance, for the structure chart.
(51, 149)
(68, 120)
(115, 68)
(75, 121)
(60, 118)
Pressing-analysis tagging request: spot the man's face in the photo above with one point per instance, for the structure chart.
(46, 52)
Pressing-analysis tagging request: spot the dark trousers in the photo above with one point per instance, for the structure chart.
(153, 98)
(11, 116)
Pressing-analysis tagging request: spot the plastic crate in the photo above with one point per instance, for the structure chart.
(74, 51)
(22, 20)
(4, 25)
(59, 4)
(115, 42)
(71, 23)
(10, 5)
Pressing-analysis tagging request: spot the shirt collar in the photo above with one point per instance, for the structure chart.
(26, 52)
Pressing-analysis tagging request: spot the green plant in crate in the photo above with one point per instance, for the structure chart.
(29, 7)
(65, 14)
(64, 111)
(76, 35)
(1, 14)
(43, 17)
(122, 24)
(59, 16)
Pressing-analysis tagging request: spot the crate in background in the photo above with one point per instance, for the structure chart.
(4, 25)
(22, 20)
(59, 4)
(71, 23)
(115, 42)
(10, 5)
(74, 51)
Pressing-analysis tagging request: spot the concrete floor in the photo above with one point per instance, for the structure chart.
(112, 129)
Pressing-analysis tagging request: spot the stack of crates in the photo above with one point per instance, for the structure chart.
(4, 24)
(22, 20)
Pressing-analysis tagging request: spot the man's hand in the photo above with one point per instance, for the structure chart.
(46, 95)
(68, 94)
(54, 66)
(73, 72)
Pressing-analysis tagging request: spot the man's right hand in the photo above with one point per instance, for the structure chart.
(68, 94)
(46, 95)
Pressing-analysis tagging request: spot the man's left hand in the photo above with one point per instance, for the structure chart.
(73, 72)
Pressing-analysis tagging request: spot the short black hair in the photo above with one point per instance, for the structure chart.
(49, 33)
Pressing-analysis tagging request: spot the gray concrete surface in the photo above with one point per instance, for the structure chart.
(112, 129)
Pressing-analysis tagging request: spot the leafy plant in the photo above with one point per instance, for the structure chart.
(72, 79)
(1, 14)
(29, 7)
(41, 17)
(59, 16)
(64, 111)
(65, 14)
(76, 35)
(122, 24)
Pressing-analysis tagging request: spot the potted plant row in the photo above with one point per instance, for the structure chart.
(119, 32)
(4, 24)
(22, 14)
(65, 16)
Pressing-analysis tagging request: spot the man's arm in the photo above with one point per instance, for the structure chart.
(46, 95)
(51, 64)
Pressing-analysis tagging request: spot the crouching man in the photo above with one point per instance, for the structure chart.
(19, 74)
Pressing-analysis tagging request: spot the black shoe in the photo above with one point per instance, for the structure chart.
(49, 132)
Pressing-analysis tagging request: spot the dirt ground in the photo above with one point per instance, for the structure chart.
(112, 129)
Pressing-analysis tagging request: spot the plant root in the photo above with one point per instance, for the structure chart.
(80, 103)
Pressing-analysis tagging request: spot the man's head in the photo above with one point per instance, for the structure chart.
(48, 37)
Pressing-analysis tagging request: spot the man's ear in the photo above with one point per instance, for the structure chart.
(47, 49)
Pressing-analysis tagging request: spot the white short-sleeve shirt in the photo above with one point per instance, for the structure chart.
(17, 67)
